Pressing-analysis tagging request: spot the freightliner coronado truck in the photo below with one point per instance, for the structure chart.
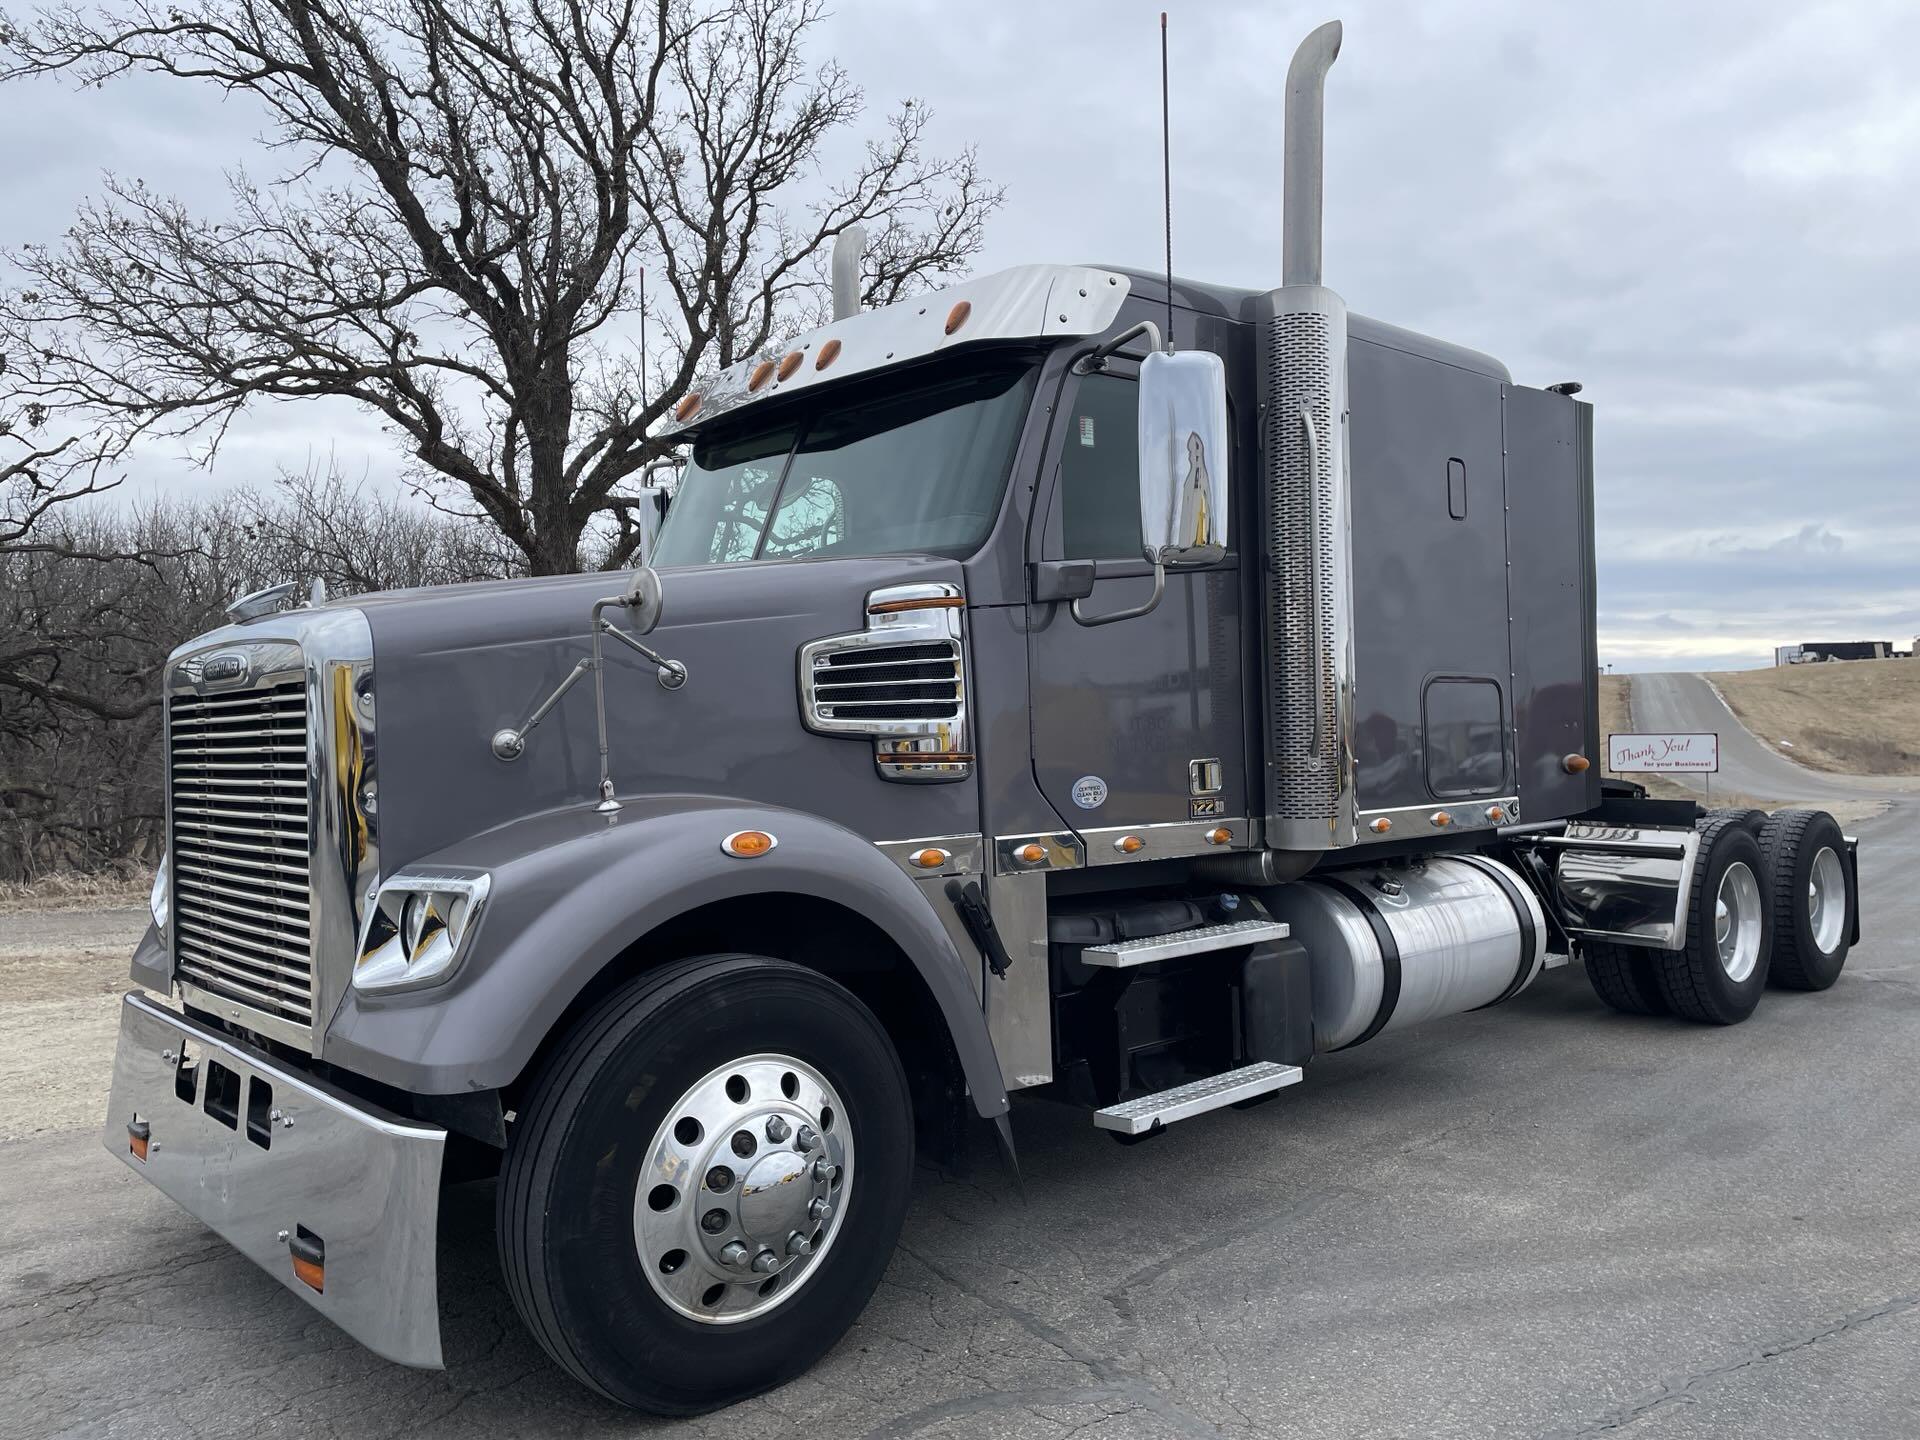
(1052, 687)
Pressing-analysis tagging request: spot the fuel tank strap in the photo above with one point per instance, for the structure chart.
(1528, 937)
(1389, 956)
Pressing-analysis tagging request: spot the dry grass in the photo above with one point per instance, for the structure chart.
(1850, 717)
(120, 885)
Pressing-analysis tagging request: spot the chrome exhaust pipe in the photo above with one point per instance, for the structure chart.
(1304, 165)
(848, 248)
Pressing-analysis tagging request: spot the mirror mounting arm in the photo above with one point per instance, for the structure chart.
(1133, 612)
(1096, 359)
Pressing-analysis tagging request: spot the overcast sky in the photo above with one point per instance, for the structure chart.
(1709, 214)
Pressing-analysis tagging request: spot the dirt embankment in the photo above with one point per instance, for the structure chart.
(62, 973)
(1850, 717)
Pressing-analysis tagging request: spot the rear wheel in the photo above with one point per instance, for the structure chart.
(1718, 978)
(1624, 977)
(1812, 911)
(706, 1182)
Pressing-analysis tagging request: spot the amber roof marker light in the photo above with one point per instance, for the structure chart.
(829, 353)
(957, 316)
(688, 407)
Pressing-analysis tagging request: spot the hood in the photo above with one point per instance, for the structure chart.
(455, 664)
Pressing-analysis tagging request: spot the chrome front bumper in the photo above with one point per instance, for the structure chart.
(279, 1163)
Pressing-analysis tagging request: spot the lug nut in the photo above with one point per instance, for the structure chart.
(714, 1221)
(719, 1179)
(805, 1138)
(822, 1170)
(820, 1211)
(778, 1129)
(763, 1262)
(798, 1244)
(733, 1253)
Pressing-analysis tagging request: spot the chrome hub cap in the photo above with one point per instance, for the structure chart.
(1827, 900)
(743, 1189)
(1736, 921)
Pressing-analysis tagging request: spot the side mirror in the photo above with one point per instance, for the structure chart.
(1183, 457)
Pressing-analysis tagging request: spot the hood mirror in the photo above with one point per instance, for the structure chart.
(643, 597)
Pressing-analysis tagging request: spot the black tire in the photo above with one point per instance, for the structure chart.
(568, 1187)
(1752, 819)
(1791, 842)
(1696, 985)
(1623, 976)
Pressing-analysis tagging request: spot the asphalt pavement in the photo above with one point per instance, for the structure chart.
(1540, 1220)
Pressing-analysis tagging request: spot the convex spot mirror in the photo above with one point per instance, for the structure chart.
(1183, 457)
(642, 596)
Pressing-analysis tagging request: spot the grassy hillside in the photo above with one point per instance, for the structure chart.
(1859, 717)
(1616, 718)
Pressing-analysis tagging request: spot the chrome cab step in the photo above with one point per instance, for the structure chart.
(1197, 941)
(1183, 1102)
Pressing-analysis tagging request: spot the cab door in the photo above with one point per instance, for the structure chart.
(1141, 722)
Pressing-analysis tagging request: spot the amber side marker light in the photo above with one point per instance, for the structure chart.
(309, 1254)
(138, 1134)
(1380, 826)
(829, 353)
(932, 858)
(931, 602)
(1441, 818)
(688, 407)
(957, 316)
(748, 844)
(1576, 764)
(1220, 835)
(1496, 813)
(1130, 844)
(1030, 854)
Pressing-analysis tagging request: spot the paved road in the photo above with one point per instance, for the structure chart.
(1748, 764)
(1540, 1220)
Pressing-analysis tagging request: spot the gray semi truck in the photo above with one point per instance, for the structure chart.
(1071, 686)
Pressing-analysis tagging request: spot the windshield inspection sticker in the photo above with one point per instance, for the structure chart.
(1089, 792)
(1086, 430)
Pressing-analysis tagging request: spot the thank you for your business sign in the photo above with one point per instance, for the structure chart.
(1638, 754)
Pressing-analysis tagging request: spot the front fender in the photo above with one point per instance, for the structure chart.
(573, 888)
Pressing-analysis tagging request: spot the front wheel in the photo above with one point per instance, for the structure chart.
(706, 1182)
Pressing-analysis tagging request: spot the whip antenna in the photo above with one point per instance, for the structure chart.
(1166, 174)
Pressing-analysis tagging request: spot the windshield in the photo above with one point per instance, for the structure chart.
(870, 472)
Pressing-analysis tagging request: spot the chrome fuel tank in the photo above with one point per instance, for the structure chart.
(1394, 945)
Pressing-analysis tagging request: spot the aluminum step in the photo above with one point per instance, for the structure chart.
(1183, 1102)
(1197, 941)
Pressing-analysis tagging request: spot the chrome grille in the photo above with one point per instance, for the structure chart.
(239, 795)
(1301, 350)
(888, 682)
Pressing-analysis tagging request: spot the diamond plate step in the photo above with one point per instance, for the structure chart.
(1185, 942)
(1183, 1102)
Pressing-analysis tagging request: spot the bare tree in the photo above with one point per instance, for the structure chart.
(471, 190)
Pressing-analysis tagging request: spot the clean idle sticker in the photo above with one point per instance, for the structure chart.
(1089, 792)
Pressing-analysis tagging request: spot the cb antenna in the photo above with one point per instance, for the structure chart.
(1166, 174)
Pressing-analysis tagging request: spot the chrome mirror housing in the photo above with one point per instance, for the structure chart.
(1183, 457)
(643, 597)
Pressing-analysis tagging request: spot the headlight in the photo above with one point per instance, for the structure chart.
(418, 929)
(160, 902)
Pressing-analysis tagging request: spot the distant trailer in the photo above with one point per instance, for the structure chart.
(1816, 650)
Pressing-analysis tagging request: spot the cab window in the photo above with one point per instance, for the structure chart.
(1099, 471)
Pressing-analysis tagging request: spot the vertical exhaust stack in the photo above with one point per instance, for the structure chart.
(1304, 165)
(1302, 357)
(849, 246)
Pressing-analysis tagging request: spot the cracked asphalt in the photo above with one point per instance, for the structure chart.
(1544, 1220)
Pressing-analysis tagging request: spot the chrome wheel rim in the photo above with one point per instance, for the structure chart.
(1736, 921)
(743, 1189)
(1827, 900)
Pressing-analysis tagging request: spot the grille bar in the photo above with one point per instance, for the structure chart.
(238, 797)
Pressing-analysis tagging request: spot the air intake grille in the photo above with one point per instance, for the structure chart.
(237, 773)
(888, 682)
(1302, 699)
